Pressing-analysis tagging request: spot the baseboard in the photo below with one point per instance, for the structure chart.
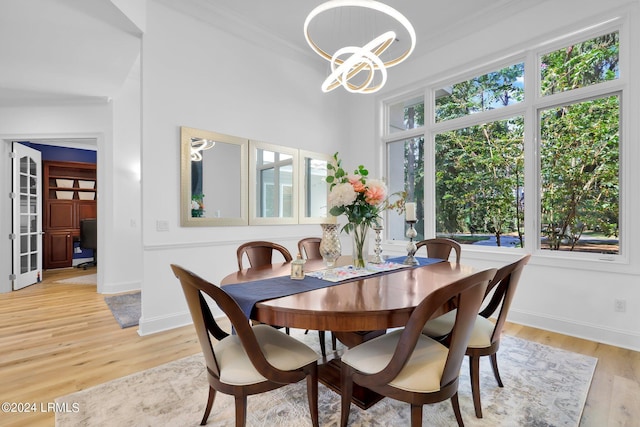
(163, 323)
(117, 288)
(589, 331)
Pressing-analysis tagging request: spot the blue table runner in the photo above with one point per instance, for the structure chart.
(248, 294)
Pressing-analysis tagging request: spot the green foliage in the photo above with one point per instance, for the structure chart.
(479, 170)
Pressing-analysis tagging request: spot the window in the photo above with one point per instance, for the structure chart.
(487, 92)
(473, 149)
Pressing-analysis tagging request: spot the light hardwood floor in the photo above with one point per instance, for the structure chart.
(56, 339)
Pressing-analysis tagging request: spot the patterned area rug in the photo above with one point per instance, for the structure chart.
(126, 308)
(544, 386)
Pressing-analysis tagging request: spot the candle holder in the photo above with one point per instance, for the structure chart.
(411, 246)
(378, 248)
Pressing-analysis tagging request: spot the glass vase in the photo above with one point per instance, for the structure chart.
(330, 247)
(360, 244)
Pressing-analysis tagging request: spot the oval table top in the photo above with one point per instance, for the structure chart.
(371, 303)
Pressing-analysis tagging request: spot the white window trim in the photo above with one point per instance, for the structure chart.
(529, 108)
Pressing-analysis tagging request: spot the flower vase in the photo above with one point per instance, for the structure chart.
(360, 244)
(330, 247)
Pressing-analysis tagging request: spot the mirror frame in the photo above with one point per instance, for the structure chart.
(293, 152)
(302, 198)
(186, 133)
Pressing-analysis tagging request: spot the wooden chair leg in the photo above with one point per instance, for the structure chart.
(416, 415)
(494, 365)
(323, 349)
(474, 373)
(207, 409)
(312, 395)
(346, 390)
(333, 341)
(241, 411)
(456, 409)
(286, 329)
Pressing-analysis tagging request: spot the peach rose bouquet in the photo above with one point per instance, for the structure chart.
(361, 199)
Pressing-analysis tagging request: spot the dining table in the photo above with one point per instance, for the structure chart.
(354, 309)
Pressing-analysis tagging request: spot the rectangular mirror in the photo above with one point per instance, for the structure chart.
(213, 178)
(273, 184)
(314, 189)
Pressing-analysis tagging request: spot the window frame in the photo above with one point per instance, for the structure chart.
(534, 102)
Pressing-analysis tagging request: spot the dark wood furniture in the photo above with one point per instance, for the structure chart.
(240, 367)
(371, 304)
(260, 253)
(486, 335)
(440, 247)
(404, 364)
(69, 196)
(309, 248)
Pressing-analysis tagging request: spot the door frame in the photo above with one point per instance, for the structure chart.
(86, 141)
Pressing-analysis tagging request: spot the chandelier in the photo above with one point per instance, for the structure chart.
(198, 145)
(361, 69)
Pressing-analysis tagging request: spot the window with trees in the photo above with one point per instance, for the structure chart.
(477, 133)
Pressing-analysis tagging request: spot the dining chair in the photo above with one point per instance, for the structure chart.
(309, 248)
(407, 365)
(260, 253)
(440, 247)
(485, 338)
(256, 359)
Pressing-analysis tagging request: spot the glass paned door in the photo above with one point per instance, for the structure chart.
(27, 218)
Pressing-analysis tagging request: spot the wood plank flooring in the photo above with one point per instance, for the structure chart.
(56, 339)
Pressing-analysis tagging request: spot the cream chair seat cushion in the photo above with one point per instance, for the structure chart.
(281, 350)
(442, 325)
(422, 372)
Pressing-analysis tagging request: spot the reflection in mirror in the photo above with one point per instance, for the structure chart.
(314, 189)
(273, 184)
(213, 178)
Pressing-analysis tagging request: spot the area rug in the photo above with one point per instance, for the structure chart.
(126, 308)
(544, 386)
(88, 279)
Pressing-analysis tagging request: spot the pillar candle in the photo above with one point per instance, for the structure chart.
(410, 211)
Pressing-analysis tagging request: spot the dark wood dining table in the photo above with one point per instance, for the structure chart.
(373, 303)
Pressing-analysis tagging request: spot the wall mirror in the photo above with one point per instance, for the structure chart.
(273, 184)
(213, 178)
(314, 190)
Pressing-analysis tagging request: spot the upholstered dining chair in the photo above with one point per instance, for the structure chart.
(260, 253)
(440, 247)
(309, 248)
(256, 359)
(408, 366)
(485, 338)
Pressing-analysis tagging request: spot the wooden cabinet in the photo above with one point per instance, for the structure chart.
(69, 196)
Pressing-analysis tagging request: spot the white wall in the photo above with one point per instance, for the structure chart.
(119, 242)
(197, 76)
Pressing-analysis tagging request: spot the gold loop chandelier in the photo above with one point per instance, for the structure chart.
(350, 61)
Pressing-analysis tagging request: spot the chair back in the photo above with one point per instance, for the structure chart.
(309, 248)
(195, 288)
(440, 248)
(505, 283)
(469, 292)
(260, 253)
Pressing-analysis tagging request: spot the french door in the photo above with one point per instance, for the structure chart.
(26, 235)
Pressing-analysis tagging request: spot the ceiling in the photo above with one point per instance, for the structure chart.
(82, 51)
